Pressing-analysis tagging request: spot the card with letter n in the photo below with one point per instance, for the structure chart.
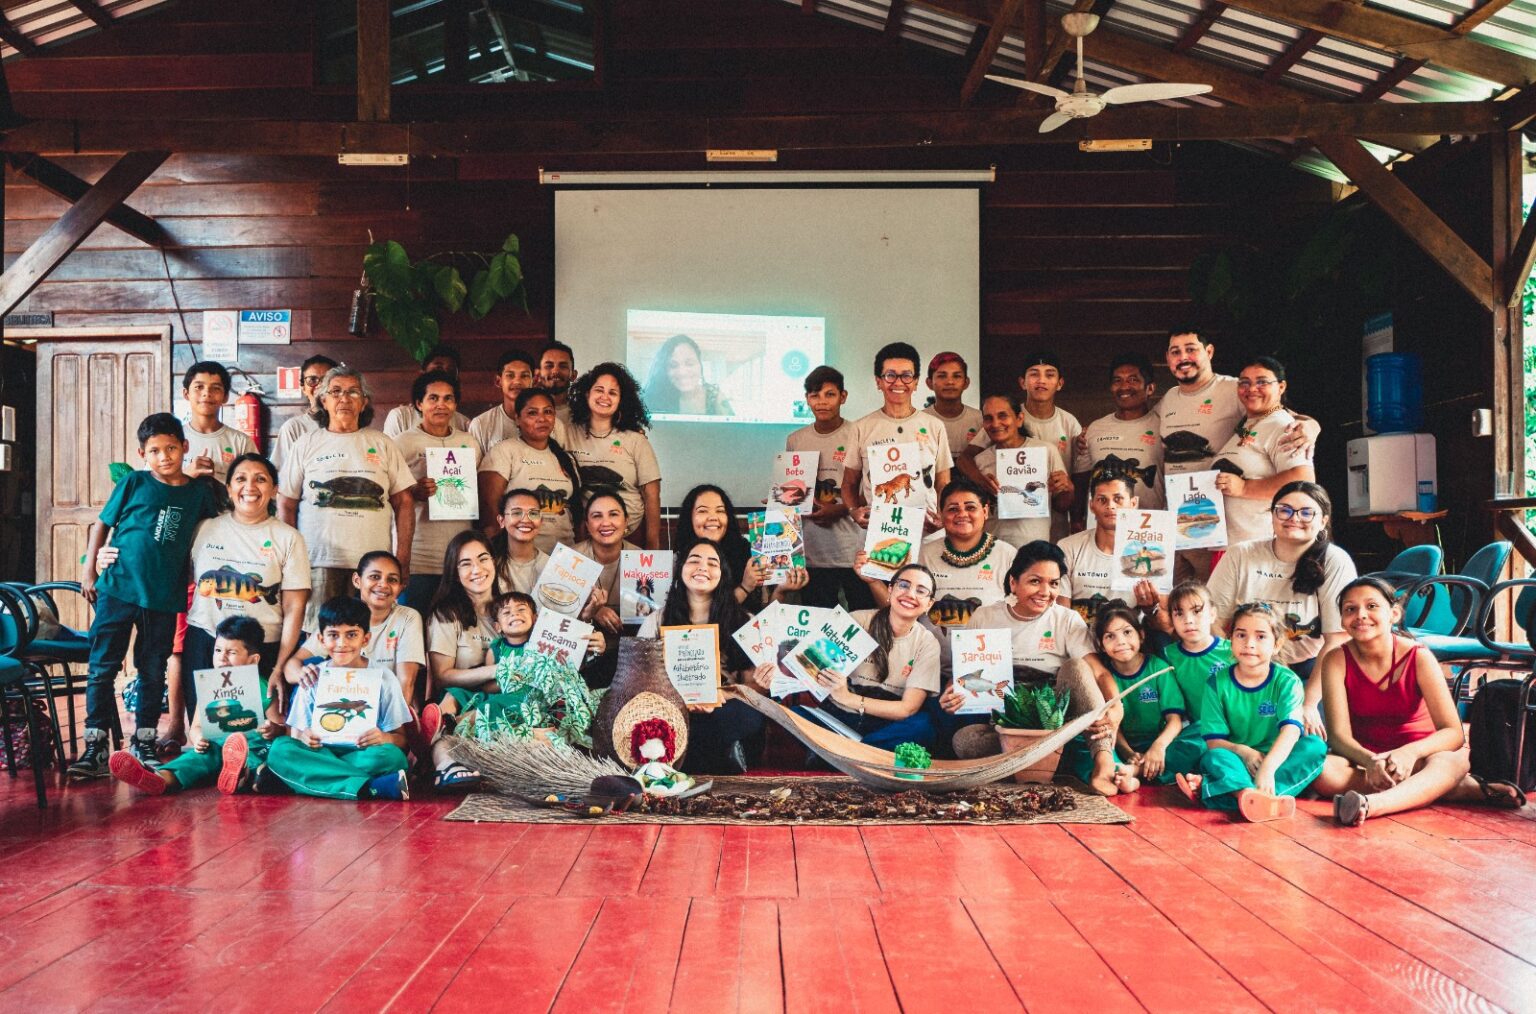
(692, 658)
(794, 481)
(228, 701)
(1143, 550)
(834, 649)
(1200, 510)
(346, 703)
(457, 495)
(896, 474)
(983, 666)
(644, 577)
(1021, 483)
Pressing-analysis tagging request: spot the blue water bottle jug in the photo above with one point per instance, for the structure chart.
(1394, 392)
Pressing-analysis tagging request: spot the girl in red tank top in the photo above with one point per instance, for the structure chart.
(1395, 740)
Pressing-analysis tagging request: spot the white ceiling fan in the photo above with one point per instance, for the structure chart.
(1080, 103)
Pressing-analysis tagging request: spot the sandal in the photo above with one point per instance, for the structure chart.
(1502, 800)
(1259, 807)
(456, 777)
(1351, 808)
(1189, 785)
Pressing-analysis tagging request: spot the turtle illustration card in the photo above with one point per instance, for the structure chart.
(892, 538)
(1021, 483)
(794, 481)
(1199, 509)
(896, 474)
(567, 580)
(1144, 545)
(829, 653)
(346, 703)
(777, 541)
(560, 637)
(453, 469)
(644, 577)
(228, 701)
(692, 658)
(983, 665)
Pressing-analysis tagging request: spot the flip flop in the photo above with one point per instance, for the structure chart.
(456, 777)
(1502, 800)
(1189, 785)
(1259, 807)
(1351, 808)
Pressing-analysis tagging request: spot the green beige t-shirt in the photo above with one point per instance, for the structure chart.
(1147, 705)
(527, 467)
(1251, 716)
(343, 482)
(622, 460)
(1195, 670)
(153, 526)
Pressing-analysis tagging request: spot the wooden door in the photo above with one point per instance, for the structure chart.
(93, 390)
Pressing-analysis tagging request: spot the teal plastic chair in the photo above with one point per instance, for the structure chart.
(1515, 656)
(1442, 608)
(15, 676)
(1410, 565)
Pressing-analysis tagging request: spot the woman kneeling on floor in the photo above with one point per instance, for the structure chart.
(1395, 740)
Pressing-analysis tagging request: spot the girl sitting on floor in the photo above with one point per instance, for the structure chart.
(1394, 737)
(1197, 654)
(1257, 757)
(1153, 742)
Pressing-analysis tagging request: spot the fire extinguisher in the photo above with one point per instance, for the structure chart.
(250, 414)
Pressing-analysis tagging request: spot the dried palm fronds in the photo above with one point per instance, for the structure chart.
(533, 767)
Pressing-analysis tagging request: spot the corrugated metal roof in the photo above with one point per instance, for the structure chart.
(44, 22)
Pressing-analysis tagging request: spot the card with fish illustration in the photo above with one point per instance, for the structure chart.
(1144, 545)
(1199, 509)
(1021, 483)
(777, 541)
(692, 659)
(892, 539)
(644, 577)
(453, 469)
(983, 666)
(566, 581)
(896, 474)
(228, 701)
(560, 637)
(833, 649)
(346, 703)
(794, 481)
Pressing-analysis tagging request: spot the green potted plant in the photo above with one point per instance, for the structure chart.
(1030, 713)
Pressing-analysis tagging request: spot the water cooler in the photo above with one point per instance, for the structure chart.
(1387, 472)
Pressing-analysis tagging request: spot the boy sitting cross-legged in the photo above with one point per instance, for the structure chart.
(237, 642)
(373, 768)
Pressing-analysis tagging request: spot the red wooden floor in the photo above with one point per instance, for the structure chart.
(207, 902)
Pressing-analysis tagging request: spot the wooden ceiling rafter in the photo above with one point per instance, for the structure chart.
(16, 38)
(62, 183)
(93, 10)
(1299, 48)
(1521, 262)
(1208, 16)
(996, 32)
(373, 77)
(893, 18)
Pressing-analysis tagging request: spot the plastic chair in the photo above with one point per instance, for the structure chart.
(68, 649)
(20, 606)
(1503, 655)
(1430, 611)
(14, 675)
(1410, 565)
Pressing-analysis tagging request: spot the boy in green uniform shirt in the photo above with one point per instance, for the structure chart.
(151, 516)
(237, 641)
(1197, 655)
(375, 767)
(1257, 756)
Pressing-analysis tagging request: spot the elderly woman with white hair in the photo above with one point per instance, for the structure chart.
(341, 485)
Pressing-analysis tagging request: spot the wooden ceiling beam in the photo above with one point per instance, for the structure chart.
(1379, 29)
(60, 182)
(1036, 38)
(1479, 14)
(373, 30)
(1521, 262)
(1411, 214)
(1196, 31)
(1402, 71)
(92, 10)
(77, 222)
(16, 39)
(893, 19)
(1293, 54)
(996, 32)
(668, 134)
(1519, 110)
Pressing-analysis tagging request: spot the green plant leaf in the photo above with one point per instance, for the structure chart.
(481, 296)
(506, 275)
(450, 288)
(389, 270)
(413, 329)
(511, 245)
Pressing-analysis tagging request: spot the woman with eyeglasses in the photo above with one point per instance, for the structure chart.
(1254, 462)
(883, 698)
(341, 485)
(536, 461)
(1299, 573)
(896, 421)
(519, 560)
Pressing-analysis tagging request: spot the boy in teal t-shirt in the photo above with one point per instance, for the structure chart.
(1197, 655)
(151, 516)
(237, 641)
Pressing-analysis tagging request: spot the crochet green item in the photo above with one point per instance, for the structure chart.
(912, 755)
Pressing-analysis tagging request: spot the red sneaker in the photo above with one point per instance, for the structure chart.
(127, 768)
(430, 723)
(234, 752)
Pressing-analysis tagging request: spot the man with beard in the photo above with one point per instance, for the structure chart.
(557, 368)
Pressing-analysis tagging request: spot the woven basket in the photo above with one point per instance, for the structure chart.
(640, 691)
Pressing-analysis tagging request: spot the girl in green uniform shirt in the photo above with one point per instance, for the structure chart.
(1197, 655)
(1257, 756)
(1154, 741)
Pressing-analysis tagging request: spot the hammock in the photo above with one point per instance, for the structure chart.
(877, 768)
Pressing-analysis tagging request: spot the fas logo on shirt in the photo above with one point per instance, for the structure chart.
(1048, 641)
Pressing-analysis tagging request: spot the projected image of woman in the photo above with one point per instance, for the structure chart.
(676, 385)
